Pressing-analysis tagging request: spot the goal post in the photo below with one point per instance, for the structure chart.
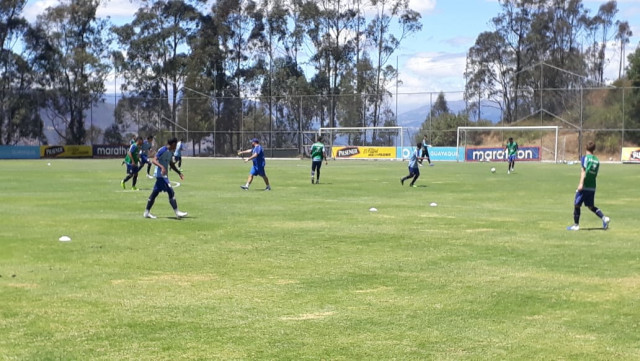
(462, 133)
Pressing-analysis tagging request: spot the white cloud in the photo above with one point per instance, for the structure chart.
(422, 6)
(426, 67)
(118, 8)
(112, 8)
(35, 8)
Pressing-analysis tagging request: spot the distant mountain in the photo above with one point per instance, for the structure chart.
(414, 118)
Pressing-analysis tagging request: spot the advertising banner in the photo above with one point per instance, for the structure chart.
(435, 153)
(631, 155)
(364, 152)
(19, 152)
(110, 151)
(499, 154)
(66, 151)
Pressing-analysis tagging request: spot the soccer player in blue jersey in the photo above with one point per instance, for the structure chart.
(425, 151)
(131, 160)
(257, 156)
(511, 150)
(414, 169)
(145, 153)
(317, 155)
(586, 192)
(177, 154)
(163, 160)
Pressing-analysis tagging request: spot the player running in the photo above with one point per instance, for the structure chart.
(512, 152)
(162, 161)
(586, 192)
(131, 160)
(257, 156)
(317, 155)
(414, 169)
(177, 154)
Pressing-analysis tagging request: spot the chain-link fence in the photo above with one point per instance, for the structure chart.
(220, 126)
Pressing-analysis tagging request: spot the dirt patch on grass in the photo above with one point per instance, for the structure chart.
(179, 279)
(308, 316)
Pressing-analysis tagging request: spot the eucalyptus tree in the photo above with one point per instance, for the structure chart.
(236, 35)
(623, 34)
(385, 42)
(19, 116)
(536, 34)
(490, 76)
(633, 115)
(606, 15)
(331, 29)
(155, 56)
(73, 59)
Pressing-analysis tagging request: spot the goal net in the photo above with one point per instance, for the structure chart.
(535, 143)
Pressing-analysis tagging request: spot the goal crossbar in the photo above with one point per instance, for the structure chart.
(533, 127)
(322, 130)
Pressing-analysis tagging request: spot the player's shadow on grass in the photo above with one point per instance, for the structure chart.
(592, 229)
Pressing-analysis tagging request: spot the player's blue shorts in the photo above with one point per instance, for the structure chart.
(414, 170)
(585, 196)
(144, 159)
(162, 185)
(132, 169)
(512, 158)
(255, 170)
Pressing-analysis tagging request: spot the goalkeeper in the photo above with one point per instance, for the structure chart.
(425, 151)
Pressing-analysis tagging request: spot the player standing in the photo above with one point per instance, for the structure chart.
(257, 156)
(586, 192)
(163, 160)
(425, 151)
(317, 155)
(131, 160)
(512, 152)
(145, 152)
(414, 170)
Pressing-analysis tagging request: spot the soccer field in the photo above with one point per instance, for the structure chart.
(307, 272)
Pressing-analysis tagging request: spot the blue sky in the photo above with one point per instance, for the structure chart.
(432, 60)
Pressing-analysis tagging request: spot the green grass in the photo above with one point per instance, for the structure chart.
(306, 272)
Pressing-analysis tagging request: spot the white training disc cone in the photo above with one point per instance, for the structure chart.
(64, 239)
(373, 209)
(433, 204)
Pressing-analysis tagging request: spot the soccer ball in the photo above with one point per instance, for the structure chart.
(493, 170)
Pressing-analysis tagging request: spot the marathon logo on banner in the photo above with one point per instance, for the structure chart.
(499, 154)
(630, 155)
(110, 151)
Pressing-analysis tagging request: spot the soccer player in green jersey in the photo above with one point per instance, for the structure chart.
(586, 192)
(132, 161)
(512, 153)
(317, 155)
